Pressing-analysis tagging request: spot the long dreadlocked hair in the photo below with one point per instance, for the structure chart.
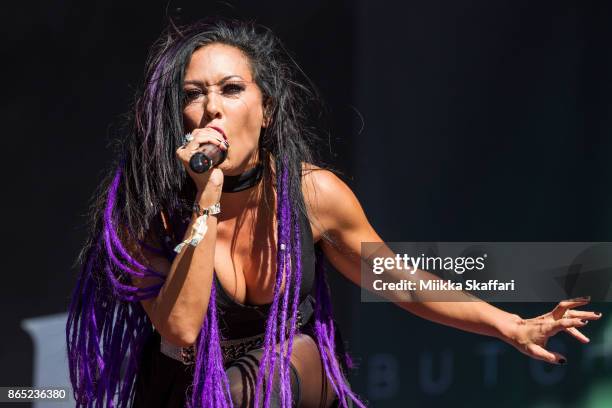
(107, 326)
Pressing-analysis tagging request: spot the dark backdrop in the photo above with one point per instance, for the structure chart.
(452, 121)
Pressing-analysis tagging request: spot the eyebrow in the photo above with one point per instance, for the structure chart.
(224, 79)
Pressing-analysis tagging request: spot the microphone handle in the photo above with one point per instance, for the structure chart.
(211, 156)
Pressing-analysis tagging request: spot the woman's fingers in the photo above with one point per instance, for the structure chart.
(577, 334)
(567, 323)
(555, 326)
(206, 135)
(571, 316)
(204, 132)
(582, 314)
(564, 305)
(562, 318)
(541, 353)
(200, 138)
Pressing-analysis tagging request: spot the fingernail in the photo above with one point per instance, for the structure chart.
(562, 361)
(598, 313)
(584, 321)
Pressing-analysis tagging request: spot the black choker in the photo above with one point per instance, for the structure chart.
(233, 184)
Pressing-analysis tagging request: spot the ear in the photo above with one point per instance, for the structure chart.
(267, 112)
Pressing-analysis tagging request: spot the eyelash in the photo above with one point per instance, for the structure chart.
(227, 89)
(192, 94)
(232, 89)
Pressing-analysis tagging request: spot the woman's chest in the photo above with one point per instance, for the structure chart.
(246, 257)
(245, 260)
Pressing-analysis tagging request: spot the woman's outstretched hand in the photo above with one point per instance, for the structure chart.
(531, 335)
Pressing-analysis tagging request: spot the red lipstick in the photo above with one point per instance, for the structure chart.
(219, 130)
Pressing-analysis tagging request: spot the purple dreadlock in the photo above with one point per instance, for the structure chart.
(107, 326)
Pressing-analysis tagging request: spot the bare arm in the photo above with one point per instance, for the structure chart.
(340, 214)
(179, 309)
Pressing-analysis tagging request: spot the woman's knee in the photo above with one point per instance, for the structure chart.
(242, 376)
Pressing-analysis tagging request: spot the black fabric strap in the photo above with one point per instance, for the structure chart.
(306, 309)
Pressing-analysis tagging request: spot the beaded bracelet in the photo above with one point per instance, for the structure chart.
(199, 226)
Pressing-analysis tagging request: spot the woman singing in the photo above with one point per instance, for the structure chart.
(207, 288)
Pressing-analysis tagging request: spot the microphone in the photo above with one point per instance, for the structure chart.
(211, 156)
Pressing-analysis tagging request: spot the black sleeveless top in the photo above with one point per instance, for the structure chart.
(162, 381)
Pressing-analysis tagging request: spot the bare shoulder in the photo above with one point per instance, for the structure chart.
(320, 185)
(327, 197)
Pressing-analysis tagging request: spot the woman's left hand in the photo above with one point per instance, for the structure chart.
(531, 335)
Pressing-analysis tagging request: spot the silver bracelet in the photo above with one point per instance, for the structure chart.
(199, 226)
(212, 210)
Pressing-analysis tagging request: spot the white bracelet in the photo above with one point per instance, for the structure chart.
(199, 227)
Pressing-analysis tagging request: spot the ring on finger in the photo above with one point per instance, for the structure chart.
(224, 142)
(187, 138)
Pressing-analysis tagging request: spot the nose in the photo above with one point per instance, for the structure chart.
(213, 106)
